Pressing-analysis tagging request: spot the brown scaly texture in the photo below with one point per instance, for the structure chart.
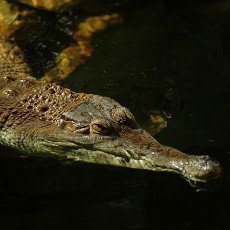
(26, 102)
(14, 73)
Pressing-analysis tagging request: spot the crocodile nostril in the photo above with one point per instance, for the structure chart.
(203, 168)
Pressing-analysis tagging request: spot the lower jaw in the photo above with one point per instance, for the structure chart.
(105, 158)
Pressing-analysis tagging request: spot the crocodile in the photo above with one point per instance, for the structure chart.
(45, 119)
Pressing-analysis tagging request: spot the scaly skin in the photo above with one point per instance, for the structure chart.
(46, 119)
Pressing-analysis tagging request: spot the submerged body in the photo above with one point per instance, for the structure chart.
(45, 119)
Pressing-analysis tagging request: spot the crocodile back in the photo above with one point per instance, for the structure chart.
(15, 79)
(12, 62)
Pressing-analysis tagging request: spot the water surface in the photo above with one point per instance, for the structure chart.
(167, 56)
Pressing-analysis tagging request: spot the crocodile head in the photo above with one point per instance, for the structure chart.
(102, 131)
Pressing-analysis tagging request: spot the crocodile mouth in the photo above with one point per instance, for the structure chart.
(200, 169)
(108, 134)
(125, 153)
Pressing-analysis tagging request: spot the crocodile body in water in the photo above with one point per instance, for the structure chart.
(44, 119)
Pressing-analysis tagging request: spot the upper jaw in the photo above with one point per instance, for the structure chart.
(142, 151)
(137, 149)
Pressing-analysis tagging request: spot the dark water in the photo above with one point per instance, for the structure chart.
(167, 56)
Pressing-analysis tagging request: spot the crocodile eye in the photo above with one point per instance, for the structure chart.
(124, 117)
(100, 128)
(78, 129)
(128, 122)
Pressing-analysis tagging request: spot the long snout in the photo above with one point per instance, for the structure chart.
(140, 150)
(197, 168)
